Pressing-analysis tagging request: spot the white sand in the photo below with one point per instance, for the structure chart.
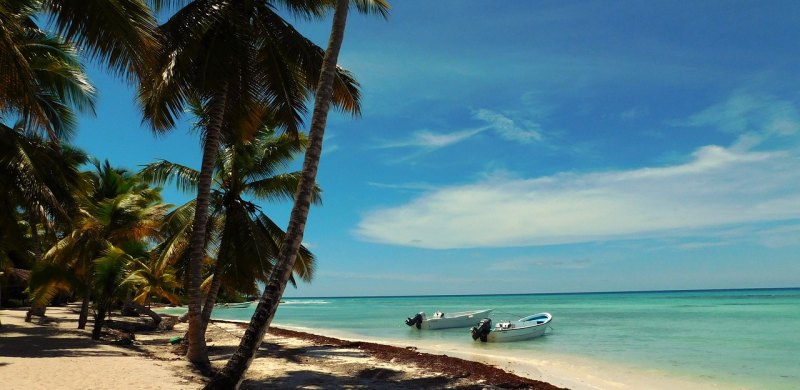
(56, 355)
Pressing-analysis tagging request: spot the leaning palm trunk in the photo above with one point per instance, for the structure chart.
(233, 373)
(211, 298)
(197, 352)
(35, 310)
(142, 309)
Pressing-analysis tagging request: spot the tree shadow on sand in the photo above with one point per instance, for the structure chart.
(373, 378)
(47, 341)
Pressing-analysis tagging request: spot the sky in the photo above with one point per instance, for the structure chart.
(542, 147)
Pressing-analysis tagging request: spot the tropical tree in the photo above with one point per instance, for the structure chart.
(244, 64)
(233, 373)
(39, 180)
(246, 240)
(41, 79)
(120, 214)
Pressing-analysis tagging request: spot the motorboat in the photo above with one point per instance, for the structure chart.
(238, 305)
(522, 329)
(441, 320)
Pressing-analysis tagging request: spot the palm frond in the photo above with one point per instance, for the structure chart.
(119, 32)
(373, 7)
(47, 280)
(164, 172)
(109, 273)
(280, 188)
(305, 264)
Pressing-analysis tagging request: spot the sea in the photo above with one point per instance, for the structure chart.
(738, 339)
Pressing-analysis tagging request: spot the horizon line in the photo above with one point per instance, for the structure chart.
(550, 293)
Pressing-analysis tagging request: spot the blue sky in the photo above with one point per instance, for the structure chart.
(544, 146)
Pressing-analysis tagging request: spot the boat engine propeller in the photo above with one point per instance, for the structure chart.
(482, 330)
(417, 320)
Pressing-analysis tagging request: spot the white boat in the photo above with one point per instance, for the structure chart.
(239, 305)
(522, 329)
(440, 320)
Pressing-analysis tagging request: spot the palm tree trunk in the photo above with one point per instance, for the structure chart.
(37, 242)
(197, 352)
(99, 321)
(84, 316)
(38, 311)
(211, 298)
(233, 373)
(142, 309)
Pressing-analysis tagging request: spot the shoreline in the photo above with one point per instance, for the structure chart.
(293, 356)
(451, 366)
(54, 354)
(572, 371)
(564, 370)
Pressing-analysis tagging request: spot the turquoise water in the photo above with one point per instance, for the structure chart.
(750, 338)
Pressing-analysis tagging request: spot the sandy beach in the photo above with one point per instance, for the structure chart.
(54, 354)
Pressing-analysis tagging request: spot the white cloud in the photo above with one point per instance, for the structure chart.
(405, 186)
(744, 112)
(508, 129)
(718, 187)
(330, 149)
(634, 113)
(401, 277)
(780, 236)
(527, 264)
(501, 124)
(431, 140)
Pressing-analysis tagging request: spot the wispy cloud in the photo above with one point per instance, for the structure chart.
(780, 236)
(718, 187)
(508, 128)
(404, 186)
(527, 264)
(744, 112)
(401, 277)
(432, 140)
(521, 130)
(330, 149)
(634, 113)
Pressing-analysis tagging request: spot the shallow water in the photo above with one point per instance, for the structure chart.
(744, 337)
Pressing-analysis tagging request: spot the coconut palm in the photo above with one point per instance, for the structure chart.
(41, 74)
(246, 240)
(39, 181)
(119, 214)
(152, 278)
(244, 64)
(233, 373)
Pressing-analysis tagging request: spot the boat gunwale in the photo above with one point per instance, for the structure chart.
(529, 319)
(458, 314)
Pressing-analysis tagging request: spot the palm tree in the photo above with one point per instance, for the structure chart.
(39, 181)
(40, 70)
(246, 240)
(119, 214)
(245, 65)
(239, 362)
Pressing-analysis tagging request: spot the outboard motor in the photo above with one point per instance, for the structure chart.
(482, 330)
(417, 320)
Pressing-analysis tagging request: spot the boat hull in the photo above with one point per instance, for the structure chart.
(524, 329)
(455, 320)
